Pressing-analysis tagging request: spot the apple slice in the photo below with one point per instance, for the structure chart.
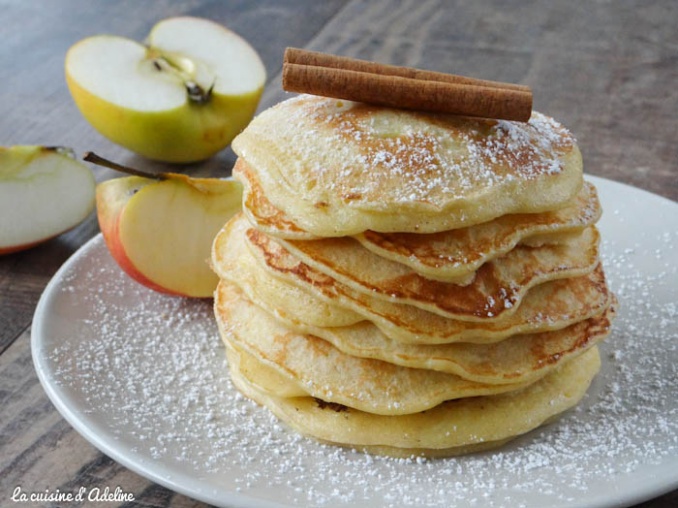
(43, 193)
(181, 98)
(160, 231)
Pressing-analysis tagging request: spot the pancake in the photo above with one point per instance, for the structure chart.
(260, 211)
(264, 378)
(451, 428)
(517, 359)
(337, 168)
(455, 255)
(497, 287)
(233, 262)
(497, 290)
(451, 255)
(311, 297)
(319, 368)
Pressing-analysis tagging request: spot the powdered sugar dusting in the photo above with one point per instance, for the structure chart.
(148, 373)
(418, 158)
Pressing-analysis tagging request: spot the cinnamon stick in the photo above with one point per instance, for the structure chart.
(317, 59)
(403, 87)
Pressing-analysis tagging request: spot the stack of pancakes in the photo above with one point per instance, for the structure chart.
(410, 283)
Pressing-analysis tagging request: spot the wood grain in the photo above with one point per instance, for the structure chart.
(607, 70)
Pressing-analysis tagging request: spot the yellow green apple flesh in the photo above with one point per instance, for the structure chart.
(43, 193)
(181, 97)
(160, 232)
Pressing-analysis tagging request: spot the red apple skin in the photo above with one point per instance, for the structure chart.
(110, 205)
(116, 211)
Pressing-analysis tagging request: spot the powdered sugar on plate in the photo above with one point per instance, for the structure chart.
(144, 377)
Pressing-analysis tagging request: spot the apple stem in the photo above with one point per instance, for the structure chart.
(100, 161)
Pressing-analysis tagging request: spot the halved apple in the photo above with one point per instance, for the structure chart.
(160, 231)
(43, 193)
(181, 98)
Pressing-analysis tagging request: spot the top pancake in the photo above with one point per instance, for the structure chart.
(338, 168)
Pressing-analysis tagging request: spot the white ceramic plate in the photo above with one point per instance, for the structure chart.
(143, 378)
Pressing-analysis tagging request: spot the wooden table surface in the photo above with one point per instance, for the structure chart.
(606, 69)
